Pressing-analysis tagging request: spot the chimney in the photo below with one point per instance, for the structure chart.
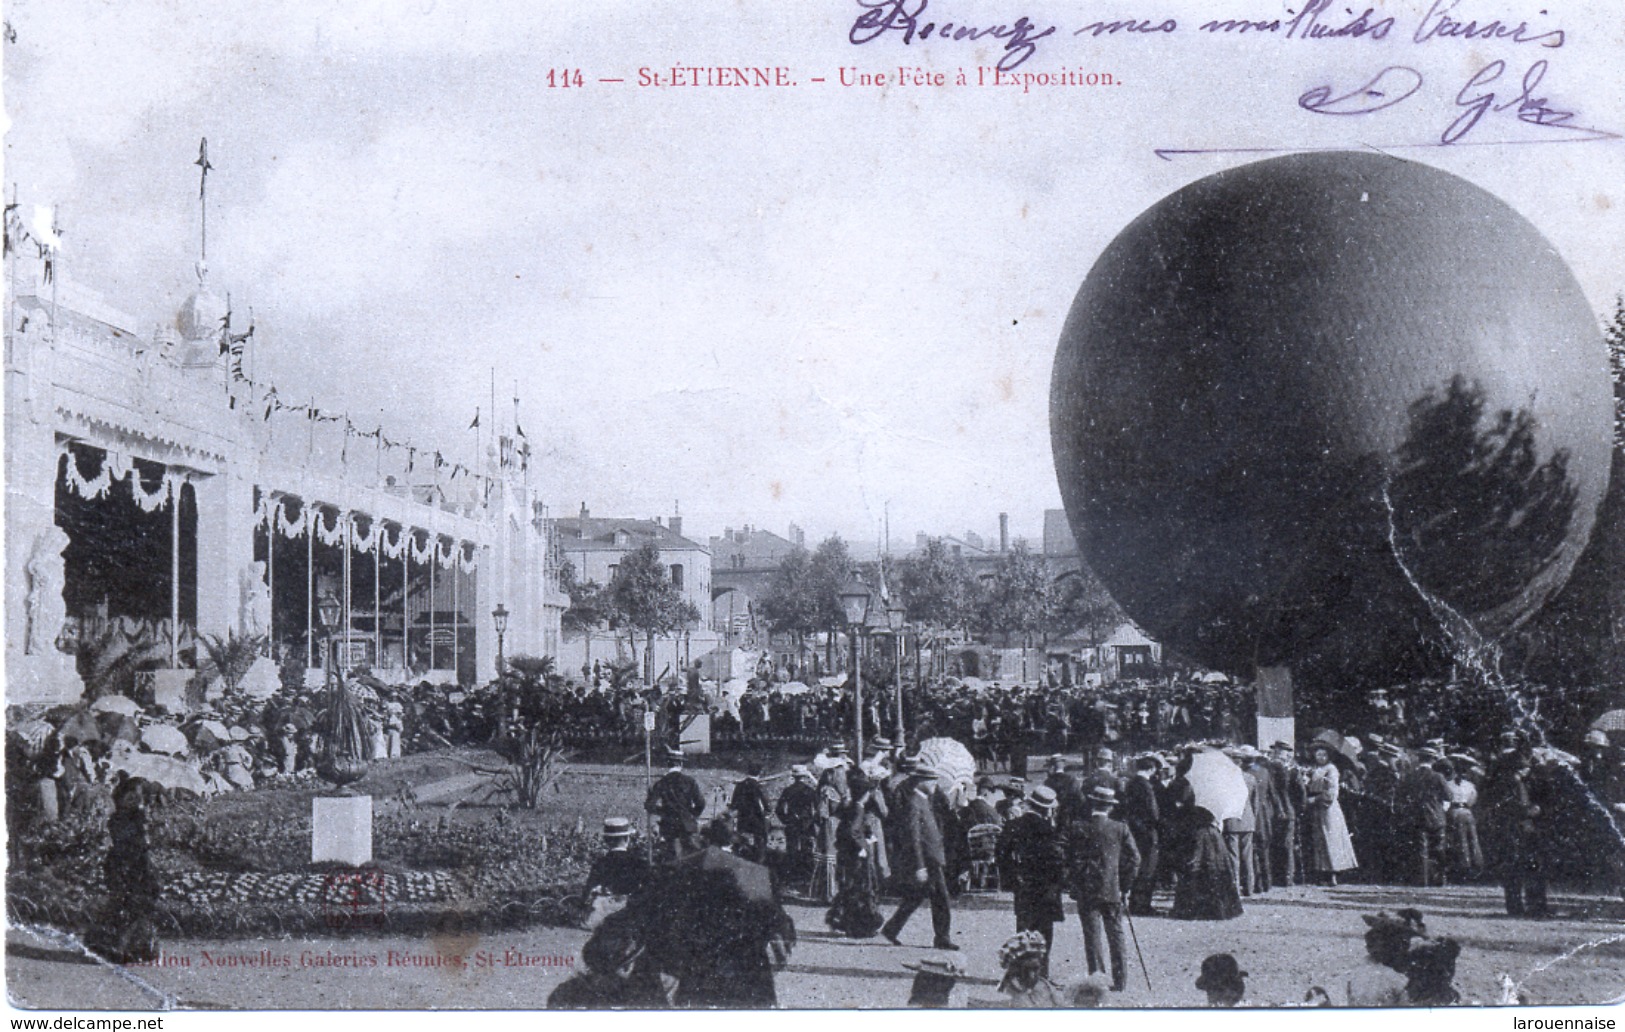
(921, 540)
(584, 513)
(676, 525)
(1004, 532)
(727, 534)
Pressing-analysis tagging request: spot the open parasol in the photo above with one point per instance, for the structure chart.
(162, 770)
(80, 727)
(164, 738)
(1218, 784)
(752, 879)
(1613, 722)
(115, 704)
(210, 734)
(116, 726)
(953, 763)
(35, 735)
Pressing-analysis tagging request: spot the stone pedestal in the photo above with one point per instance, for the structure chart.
(169, 689)
(341, 829)
(49, 678)
(696, 735)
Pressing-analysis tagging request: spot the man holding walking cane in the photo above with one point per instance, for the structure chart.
(1102, 861)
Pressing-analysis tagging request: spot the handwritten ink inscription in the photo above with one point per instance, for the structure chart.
(1474, 100)
(907, 22)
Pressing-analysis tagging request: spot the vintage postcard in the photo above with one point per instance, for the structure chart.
(852, 504)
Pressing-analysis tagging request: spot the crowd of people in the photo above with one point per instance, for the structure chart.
(1116, 835)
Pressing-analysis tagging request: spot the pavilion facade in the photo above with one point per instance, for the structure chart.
(155, 494)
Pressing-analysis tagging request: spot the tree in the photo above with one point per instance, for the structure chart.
(790, 605)
(828, 571)
(937, 587)
(646, 600)
(591, 606)
(1081, 602)
(1017, 600)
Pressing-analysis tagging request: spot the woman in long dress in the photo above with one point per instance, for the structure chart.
(1329, 833)
(1207, 888)
(855, 912)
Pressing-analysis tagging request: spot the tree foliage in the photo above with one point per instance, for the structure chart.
(591, 606)
(790, 604)
(1017, 599)
(937, 586)
(643, 597)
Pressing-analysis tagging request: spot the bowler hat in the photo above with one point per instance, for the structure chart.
(1220, 971)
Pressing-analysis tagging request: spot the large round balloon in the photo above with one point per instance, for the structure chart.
(1320, 407)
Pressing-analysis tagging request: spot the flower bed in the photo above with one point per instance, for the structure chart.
(362, 887)
(228, 871)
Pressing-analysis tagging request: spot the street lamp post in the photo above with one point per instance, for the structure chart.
(499, 616)
(855, 599)
(328, 611)
(895, 615)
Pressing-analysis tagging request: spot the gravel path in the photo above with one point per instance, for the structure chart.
(1287, 941)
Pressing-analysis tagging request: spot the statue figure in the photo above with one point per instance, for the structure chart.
(45, 609)
(254, 614)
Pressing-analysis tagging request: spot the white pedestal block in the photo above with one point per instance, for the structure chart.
(696, 740)
(169, 690)
(49, 678)
(341, 829)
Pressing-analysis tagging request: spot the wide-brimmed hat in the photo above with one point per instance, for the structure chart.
(617, 827)
(1220, 971)
(1102, 795)
(799, 770)
(1408, 922)
(674, 755)
(942, 967)
(1022, 946)
(880, 743)
(1043, 797)
(1057, 762)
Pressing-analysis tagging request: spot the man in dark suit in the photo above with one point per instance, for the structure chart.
(1032, 865)
(1104, 774)
(797, 810)
(1287, 785)
(919, 861)
(1140, 812)
(749, 806)
(1424, 797)
(1103, 860)
(676, 803)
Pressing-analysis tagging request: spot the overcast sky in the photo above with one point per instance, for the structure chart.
(769, 305)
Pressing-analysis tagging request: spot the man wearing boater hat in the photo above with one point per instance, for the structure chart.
(919, 859)
(1103, 862)
(676, 803)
